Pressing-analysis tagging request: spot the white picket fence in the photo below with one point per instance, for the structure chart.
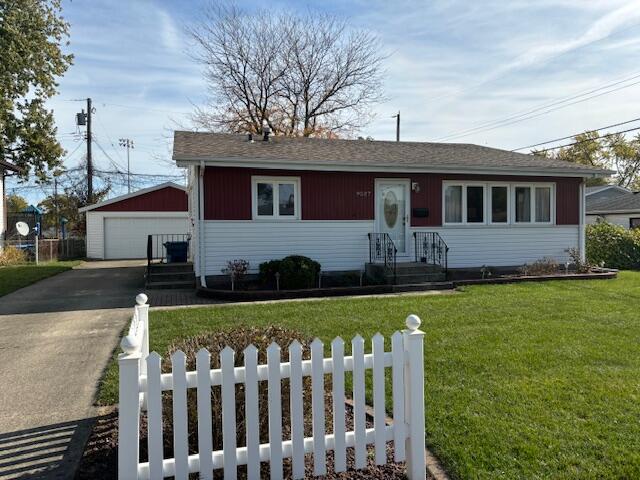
(142, 384)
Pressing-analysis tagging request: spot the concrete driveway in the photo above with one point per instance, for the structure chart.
(56, 337)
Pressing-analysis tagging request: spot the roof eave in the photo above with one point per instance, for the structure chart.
(185, 161)
(131, 195)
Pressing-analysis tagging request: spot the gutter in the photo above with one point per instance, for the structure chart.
(582, 224)
(335, 166)
(203, 280)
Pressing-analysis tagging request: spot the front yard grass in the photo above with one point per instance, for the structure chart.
(15, 277)
(536, 380)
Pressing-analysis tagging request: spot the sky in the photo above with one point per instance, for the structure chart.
(503, 74)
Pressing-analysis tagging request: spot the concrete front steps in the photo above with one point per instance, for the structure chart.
(409, 274)
(170, 275)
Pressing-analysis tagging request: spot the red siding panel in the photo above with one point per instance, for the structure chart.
(350, 195)
(168, 199)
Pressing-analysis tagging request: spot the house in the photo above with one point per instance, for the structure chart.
(347, 203)
(5, 169)
(119, 228)
(613, 204)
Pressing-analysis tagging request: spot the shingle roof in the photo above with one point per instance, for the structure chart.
(197, 146)
(627, 202)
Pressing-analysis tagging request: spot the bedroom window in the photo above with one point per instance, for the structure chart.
(276, 198)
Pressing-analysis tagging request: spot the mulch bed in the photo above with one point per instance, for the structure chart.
(100, 458)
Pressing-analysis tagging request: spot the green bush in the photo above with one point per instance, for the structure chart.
(613, 245)
(296, 272)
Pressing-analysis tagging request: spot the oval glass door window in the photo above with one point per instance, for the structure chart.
(390, 209)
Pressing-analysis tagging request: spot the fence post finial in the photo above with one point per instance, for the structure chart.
(141, 299)
(413, 340)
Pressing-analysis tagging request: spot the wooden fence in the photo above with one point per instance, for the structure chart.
(142, 383)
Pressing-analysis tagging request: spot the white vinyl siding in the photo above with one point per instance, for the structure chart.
(337, 245)
(505, 246)
(343, 245)
(622, 219)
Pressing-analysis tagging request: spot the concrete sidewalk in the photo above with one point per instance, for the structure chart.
(56, 337)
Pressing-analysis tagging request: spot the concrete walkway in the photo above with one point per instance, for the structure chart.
(56, 337)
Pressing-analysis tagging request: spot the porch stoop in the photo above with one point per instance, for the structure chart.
(170, 275)
(409, 274)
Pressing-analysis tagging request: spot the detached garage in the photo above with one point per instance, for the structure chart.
(118, 228)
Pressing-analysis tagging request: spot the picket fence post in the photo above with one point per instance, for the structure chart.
(129, 411)
(414, 398)
(142, 309)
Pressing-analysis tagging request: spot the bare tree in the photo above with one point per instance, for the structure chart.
(305, 75)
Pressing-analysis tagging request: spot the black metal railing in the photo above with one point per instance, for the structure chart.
(382, 250)
(157, 246)
(431, 249)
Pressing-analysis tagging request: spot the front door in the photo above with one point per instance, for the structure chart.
(392, 207)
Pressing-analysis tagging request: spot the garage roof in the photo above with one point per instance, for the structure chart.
(155, 201)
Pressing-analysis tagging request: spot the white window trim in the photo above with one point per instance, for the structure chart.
(276, 191)
(533, 186)
(464, 186)
(511, 203)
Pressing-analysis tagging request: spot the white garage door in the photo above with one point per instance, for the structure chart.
(126, 237)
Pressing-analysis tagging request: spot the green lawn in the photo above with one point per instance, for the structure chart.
(13, 278)
(522, 381)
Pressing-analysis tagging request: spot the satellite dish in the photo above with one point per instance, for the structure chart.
(22, 228)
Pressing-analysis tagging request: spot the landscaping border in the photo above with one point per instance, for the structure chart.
(263, 295)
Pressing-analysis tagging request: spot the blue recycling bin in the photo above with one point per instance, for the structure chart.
(176, 251)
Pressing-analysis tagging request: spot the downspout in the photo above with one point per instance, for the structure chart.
(582, 224)
(203, 280)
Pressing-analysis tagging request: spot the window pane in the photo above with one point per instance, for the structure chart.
(453, 204)
(265, 199)
(543, 204)
(286, 199)
(634, 223)
(475, 204)
(499, 199)
(523, 204)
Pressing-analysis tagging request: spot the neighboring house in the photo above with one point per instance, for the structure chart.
(613, 204)
(118, 228)
(5, 168)
(260, 200)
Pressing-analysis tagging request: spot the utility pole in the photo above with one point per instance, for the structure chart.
(89, 159)
(128, 144)
(55, 199)
(397, 117)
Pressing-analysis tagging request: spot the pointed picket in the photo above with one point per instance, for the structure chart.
(359, 419)
(154, 415)
(340, 452)
(377, 348)
(180, 429)
(205, 442)
(275, 411)
(251, 412)
(297, 415)
(399, 435)
(228, 385)
(317, 407)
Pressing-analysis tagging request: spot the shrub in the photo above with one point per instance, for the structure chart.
(238, 268)
(238, 339)
(613, 245)
(580, 265)
(12, 256)
(544, 266)
(296, 272)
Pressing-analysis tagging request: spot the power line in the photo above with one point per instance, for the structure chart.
(137, 107)
(559, 104)
(589, 139)
(575, 134)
